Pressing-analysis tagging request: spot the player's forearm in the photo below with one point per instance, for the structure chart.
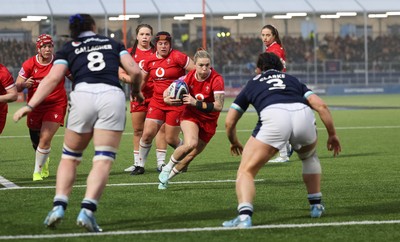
(327, 120)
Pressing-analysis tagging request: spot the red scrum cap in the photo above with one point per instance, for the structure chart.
(43, 39)
(163, 35)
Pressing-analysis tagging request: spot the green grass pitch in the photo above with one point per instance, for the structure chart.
(360, 187)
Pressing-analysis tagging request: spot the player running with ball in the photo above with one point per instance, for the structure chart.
(199, 119)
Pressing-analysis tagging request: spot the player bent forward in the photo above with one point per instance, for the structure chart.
(285, 107)
(199, 119)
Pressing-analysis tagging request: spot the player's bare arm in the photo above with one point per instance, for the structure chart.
(219, 102)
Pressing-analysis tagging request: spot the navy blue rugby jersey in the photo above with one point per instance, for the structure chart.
(92, 59)
(269, 88)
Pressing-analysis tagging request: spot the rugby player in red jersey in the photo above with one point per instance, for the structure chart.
(8, 93)
(199, 119)
(164, 66)
(44, 121)
(141, 49)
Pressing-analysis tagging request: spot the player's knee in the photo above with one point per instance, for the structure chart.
(70, 154)
(310, 161)
(104, 153)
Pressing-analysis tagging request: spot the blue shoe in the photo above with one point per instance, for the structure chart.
(289, 149)
(54, 217)
(162, 186)
(87, 221)
(316, 210)
(236, 222)
(164, 175)
(160, 168)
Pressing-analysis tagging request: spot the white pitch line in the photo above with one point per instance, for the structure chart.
(205, 229)
(6, 183)
(131, 184)
(242, 130)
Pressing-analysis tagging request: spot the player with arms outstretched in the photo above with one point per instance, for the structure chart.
(285, 109)
(97, 111)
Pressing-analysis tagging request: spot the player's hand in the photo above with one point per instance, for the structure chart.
(20, 113)
(29, 82)
(333, 144)
(172, 101)
(236, 149)
(137, 97)
(189, 100)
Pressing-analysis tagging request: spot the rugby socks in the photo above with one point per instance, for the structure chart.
(244, 210)
(173, 173)
(172, 162)
(89, 204)
(135, 157)
(161, 154)
(41, 156)
(60, 200)
(314, 198)
(144, 150)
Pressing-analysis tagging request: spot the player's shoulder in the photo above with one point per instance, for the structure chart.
(177, 54)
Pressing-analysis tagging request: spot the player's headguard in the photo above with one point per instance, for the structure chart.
(163, 35)
(44, 39)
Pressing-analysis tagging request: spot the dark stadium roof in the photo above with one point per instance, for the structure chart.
(179, 7)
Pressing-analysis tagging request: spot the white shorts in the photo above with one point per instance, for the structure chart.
(279, 123)
(99, 106)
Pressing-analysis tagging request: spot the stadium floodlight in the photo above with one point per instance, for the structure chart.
(377, 15)
(123, 17)
(180, 18)
(296, 14)
(194, 15)
(281, 17)
(229, 17)
(248, 15)
(392, 13)
(346, 14)
(329, 16)
(30, 18)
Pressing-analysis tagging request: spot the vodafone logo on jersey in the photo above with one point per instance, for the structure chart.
(160, 72)
(141, 64)
(76, 43)
(199, 97)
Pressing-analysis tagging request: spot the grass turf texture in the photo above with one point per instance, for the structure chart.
(359, 185)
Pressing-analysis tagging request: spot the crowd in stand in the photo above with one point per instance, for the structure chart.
(228, 51)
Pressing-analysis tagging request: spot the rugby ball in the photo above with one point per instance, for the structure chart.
(177, 89)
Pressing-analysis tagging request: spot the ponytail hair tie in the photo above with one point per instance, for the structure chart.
(74, 17)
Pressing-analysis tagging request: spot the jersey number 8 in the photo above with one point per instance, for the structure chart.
(96, 61)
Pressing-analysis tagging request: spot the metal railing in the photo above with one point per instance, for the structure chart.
(332, 72)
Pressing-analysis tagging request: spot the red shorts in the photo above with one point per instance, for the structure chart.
(170, 117)
(139, 107)
(3, 118)
(41, 114)
(206, 129)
